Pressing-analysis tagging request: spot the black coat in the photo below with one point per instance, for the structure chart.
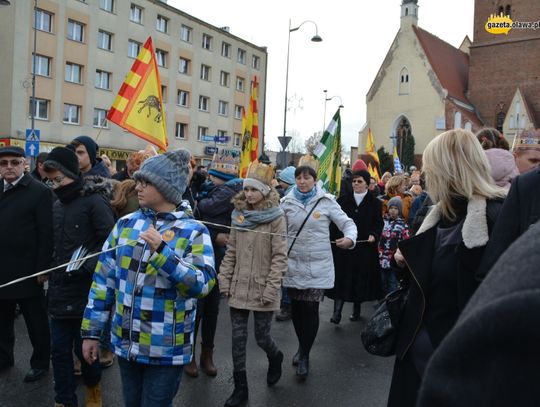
(491, 356)
(357, 274)
(520, 210)
(25, 235)
(85, 220)
(418, 252)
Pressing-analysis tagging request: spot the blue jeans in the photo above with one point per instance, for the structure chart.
(66, 339)
(149, 385)
(388, 281)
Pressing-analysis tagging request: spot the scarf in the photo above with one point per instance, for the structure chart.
(304, 197)
(69, 192)
(251, 219)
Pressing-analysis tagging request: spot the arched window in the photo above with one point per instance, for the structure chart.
(499, 121)
(402, 135)
(501, 10)
(508, 10)
(468, 126)
(404, 82)
(406, 11)
(457, 120)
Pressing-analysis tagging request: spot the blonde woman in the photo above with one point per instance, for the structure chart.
(397, 186)
(442, 258)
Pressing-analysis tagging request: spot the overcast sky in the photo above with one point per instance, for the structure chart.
(356, 37)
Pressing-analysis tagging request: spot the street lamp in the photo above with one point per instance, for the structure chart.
(326, 99)
(315, 38)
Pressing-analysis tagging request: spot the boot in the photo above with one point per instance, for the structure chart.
(296, 356)
(284, 313)
(191, 369)
(302, 370)
(356, 312)
(106, 358)
(207, 363)
(93, 396)
(274, 368)
(240, 393)
(336, 316)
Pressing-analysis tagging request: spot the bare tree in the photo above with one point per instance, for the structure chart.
(312, 142)
(296, 144)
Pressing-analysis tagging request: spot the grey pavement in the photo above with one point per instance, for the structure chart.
(342, 374)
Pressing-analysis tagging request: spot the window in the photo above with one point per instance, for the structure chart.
(183, 98)
(185, 33)
(164, 93)
(73, 73)
(240, 84)
(468, 126)
(457, 120)
(181, 131)
(183, 65)
(107, 5)
(133, 48)
(41, 65)
(223, 108)
(204, 103)
(71, 113)
(105, 40)
(222, 133)
(508, 10)
(207, 42)
(256, 62)
(241, 57)
(103, 79)
(135, 14)
(42, 109)
(43, 20)
(224, 79)
(201, 131)
(225, 49)
(75, 31)
(238, 112)
(237, 139)
(205, 72)
(100, 118)
(404, 86)
(162, 24)
(161, 57)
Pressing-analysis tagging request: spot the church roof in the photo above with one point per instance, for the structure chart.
(449, 63)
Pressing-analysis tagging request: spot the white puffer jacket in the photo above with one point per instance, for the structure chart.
(310, 260)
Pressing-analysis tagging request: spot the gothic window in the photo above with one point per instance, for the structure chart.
(499, 121)
(457, 120)
(407, 11)
(403, 132)
(508, 10)
(501, 10)
(404, 82)
(468, 126)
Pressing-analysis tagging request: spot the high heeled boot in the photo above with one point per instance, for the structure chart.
(240, 393)
(356, 312)
(336, 316)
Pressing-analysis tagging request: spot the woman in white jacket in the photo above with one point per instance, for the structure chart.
(309, 211)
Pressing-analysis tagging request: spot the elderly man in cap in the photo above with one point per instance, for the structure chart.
(25, 248)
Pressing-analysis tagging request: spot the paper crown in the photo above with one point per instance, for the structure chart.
(226, 163)
(528, 139)
(309, 161)
(261, 172)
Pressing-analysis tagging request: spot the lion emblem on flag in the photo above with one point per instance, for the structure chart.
(152, 102)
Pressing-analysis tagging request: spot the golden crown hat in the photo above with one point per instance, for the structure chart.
(527, 140)
(226, 163)
(309, 161)
(261, 172)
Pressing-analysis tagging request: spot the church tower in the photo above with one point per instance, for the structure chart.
(409, 13)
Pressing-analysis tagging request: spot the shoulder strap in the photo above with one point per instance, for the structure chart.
(302, 225)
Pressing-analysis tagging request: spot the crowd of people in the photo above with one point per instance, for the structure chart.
(137, 263)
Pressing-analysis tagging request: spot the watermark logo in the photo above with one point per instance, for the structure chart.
(500, 24)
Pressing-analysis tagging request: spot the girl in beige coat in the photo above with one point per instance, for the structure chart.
(251, 273)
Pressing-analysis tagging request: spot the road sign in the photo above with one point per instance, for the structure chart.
(208, 138)
(222, 139)
(284, 141)
(210, 150)
(32, 142)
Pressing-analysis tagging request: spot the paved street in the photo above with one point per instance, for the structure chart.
(342, 373)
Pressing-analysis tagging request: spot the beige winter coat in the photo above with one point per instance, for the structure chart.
(255, 263)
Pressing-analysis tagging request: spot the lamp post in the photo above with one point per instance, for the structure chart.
(315, 38)
(326, 99)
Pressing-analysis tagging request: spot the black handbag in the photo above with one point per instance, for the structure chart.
(380, 333)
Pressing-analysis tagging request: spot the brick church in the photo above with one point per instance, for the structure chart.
(426, 86)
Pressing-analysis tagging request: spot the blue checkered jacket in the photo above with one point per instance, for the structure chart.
(153, 295)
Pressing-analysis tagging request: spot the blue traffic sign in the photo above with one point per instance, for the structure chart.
(32, 142)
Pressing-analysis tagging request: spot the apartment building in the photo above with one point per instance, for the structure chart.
(84, 49)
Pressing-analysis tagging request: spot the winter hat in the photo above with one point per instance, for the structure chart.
(91, 147)
(64, 160)
(259, 176)
(287, 175)
(224, 166)
(12, 150)
(503, 166)
(364, 174)
(396, 201)
(359, 165)
(168, 172)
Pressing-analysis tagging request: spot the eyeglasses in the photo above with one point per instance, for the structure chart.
(357, 181)
(56, 181)
(14, 162)
(142, 183)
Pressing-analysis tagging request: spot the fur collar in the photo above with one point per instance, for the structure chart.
(475, 227)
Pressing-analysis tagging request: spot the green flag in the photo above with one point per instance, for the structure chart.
(328, 153)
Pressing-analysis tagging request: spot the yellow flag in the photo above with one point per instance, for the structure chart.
(370, 147)
(250, 132)
(138, 107)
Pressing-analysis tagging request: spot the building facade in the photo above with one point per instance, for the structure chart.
(84, 49)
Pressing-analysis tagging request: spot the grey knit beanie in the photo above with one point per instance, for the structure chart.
(396, 201)
(168, 172)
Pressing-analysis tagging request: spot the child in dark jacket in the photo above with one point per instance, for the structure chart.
(395, 230)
